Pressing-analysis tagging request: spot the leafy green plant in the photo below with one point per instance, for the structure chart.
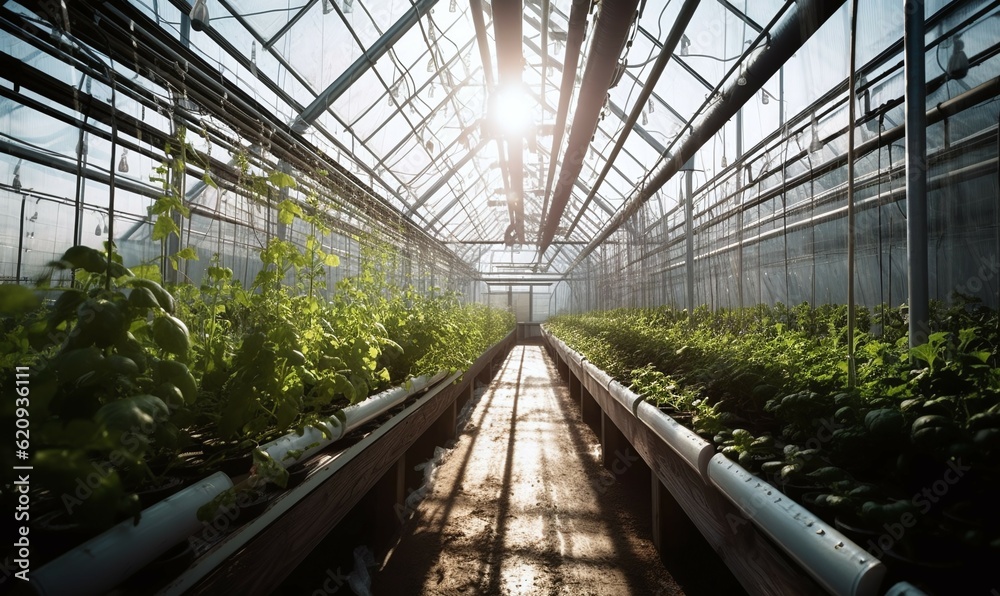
(111, 394)
(780, 372)
(169, 207)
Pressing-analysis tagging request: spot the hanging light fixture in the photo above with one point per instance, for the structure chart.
(645, 119)
(16, 183)
(199, 15)
(97, 230)
(651, 105)
(348, 6)
(685, 45)
(815, 145)
(327, 6)
(453, 6)
(742, 79)
(123, 162)
(725, 162)
(958, 62)
(764, 96)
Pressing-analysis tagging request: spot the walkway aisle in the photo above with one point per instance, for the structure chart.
(522, 505)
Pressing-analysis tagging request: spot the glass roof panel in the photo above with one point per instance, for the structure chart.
(263, 17)
(319, 47)
(409, 121)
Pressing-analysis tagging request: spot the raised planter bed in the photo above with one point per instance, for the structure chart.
(257, 556)
(770, 543)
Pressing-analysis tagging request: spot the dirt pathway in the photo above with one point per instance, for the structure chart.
(521, 505)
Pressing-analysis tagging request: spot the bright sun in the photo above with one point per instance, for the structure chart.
(512, 110)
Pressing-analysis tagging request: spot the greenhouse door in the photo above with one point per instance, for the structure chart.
(530, 304)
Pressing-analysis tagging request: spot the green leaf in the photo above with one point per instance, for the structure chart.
(188, 253)
(207, 179)
(148, 271)
(331, 261)
(288, 211)
(138, 413)
(16, 299)
(269, 470)
(281, 180)
(164, 227)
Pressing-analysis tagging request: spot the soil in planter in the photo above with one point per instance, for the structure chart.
(161, 490)
(297, 473)
(233, 465)
(249, 504)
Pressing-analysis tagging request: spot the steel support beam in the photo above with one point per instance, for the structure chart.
(610, 32)
(791, 33)
(916, 168)
(446, 176)
(689, 233)
(666, 51)
(364, 62)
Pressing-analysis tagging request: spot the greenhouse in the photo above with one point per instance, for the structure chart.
(494, 297)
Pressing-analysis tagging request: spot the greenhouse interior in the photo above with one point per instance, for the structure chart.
(553, 296)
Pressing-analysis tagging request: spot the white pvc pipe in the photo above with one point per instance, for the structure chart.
(596, 379)
(313, 440)
(693, 449)
(624, 396)
(309, 442)
(374, 406)
(839, 565)
(106, 560)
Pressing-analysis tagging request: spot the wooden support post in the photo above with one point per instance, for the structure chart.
(437, 435)
(466, 395)
(620, 457)
(484, 375)
(445, 425)
(575, 387)
(672, 528)
(387, 502)
(590, 410)
(613, 444)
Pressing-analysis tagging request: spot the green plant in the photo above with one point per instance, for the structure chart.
(169, 207)
(111, 394)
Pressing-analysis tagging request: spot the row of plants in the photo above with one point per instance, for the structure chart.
(913, 445)
(137, 387)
